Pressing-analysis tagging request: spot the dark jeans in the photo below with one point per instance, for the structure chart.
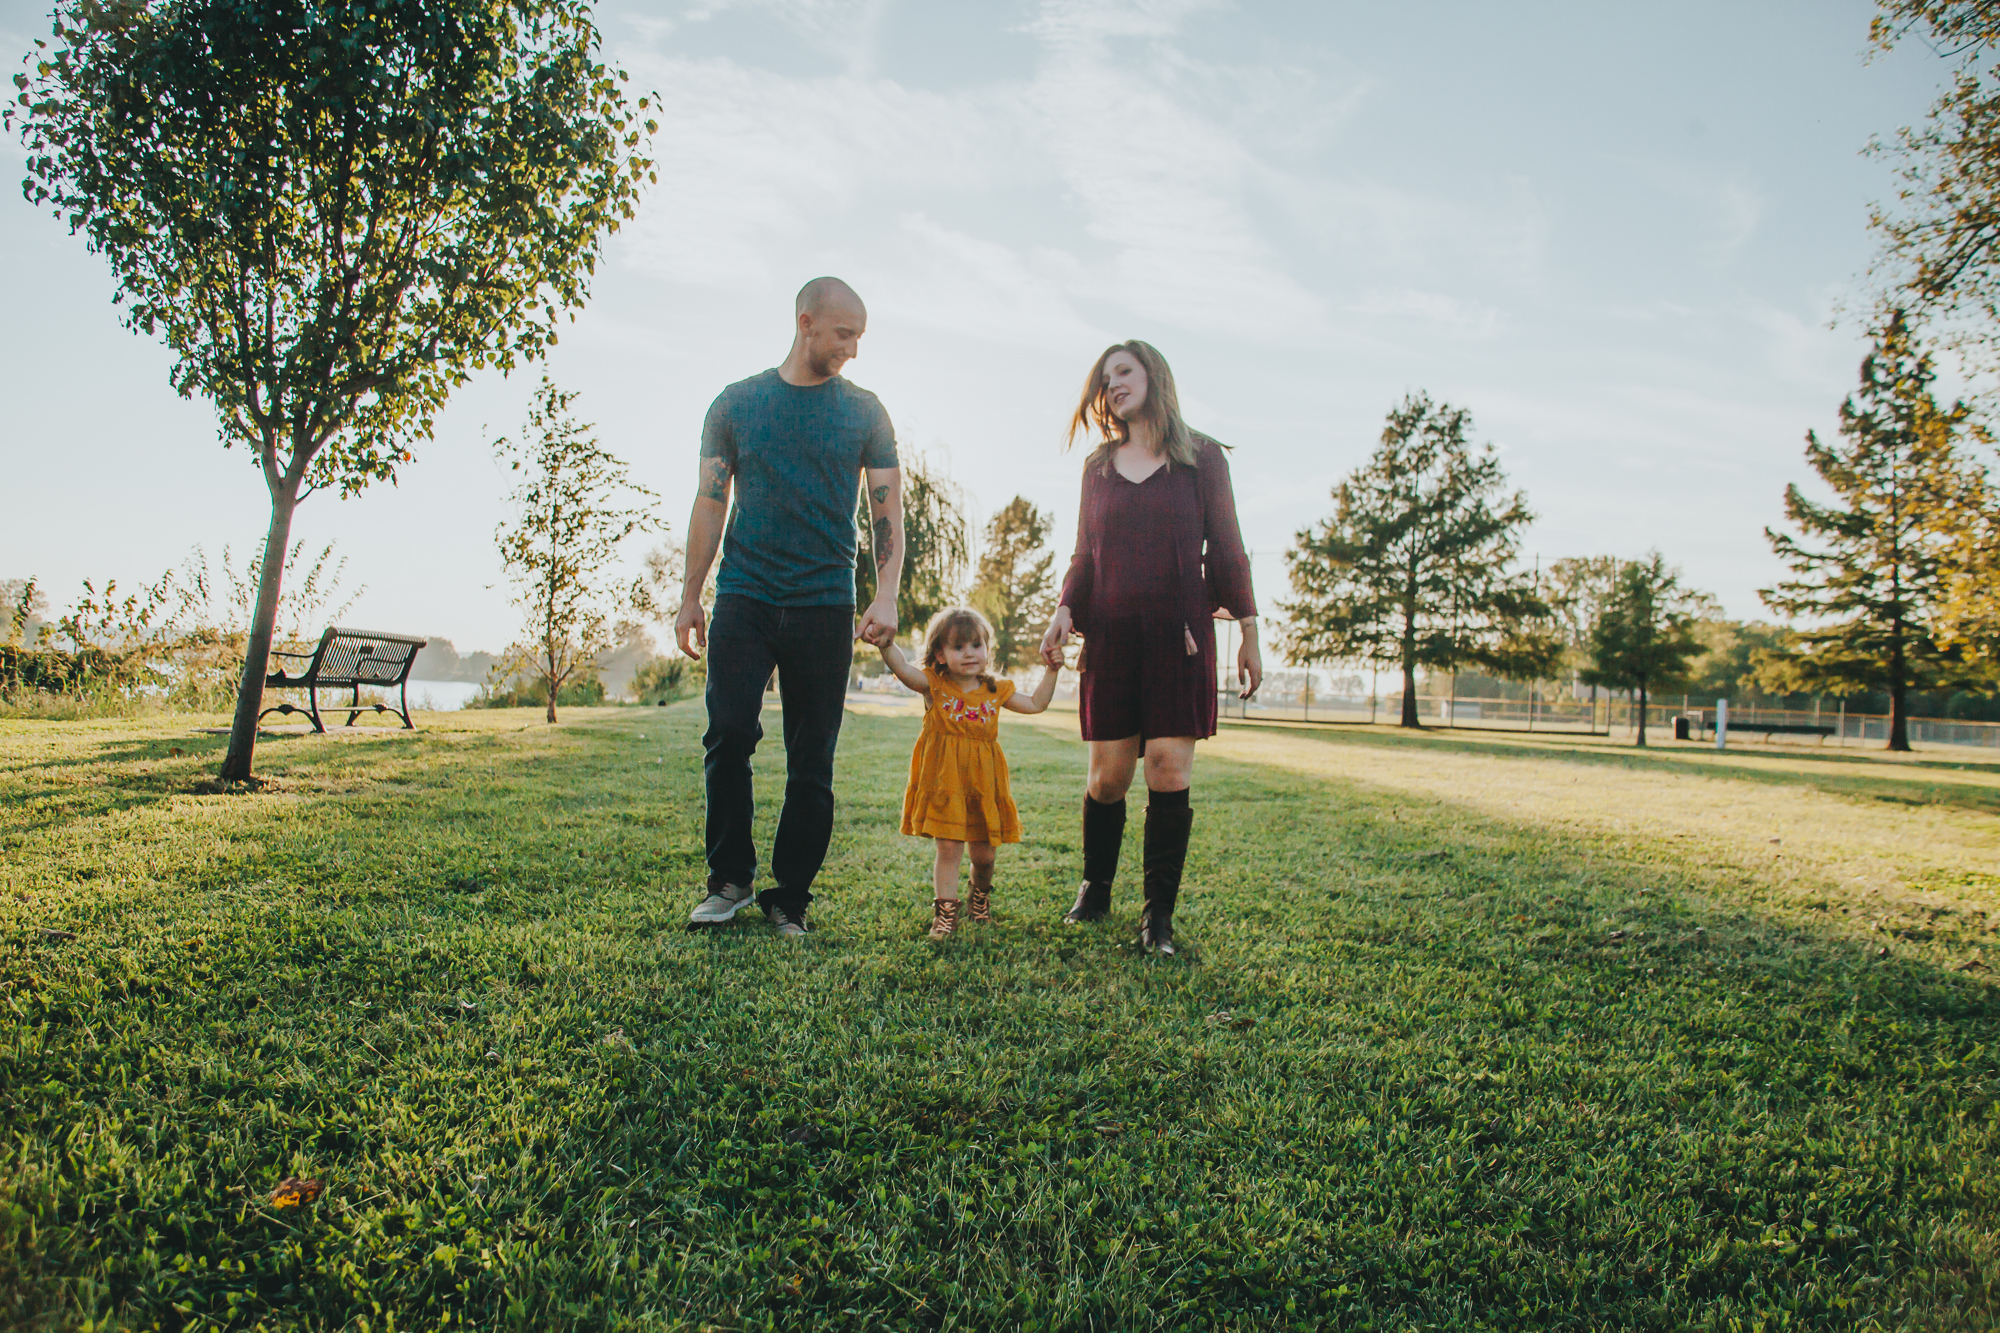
(812, 648)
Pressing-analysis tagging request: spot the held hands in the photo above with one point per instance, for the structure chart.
(691, 629)
(878, 624)
(1057, 637)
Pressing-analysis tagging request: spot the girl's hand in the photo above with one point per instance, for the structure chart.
(1057, 637)
(1188, 634)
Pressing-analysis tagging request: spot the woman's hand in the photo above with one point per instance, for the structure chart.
(1057, 637)
(1249, 661)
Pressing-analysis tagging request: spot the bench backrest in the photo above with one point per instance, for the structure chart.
(363, 657)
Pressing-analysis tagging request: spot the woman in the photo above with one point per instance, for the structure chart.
(1158, 559)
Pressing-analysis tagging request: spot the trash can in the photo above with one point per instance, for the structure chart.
(1682, 728)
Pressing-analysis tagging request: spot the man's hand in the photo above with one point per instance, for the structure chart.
(691, 629)
(878, 625)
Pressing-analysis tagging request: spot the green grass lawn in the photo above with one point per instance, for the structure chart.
(1480, 1031)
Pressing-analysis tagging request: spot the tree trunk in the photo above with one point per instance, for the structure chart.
(236, 765)
(1409, 695)
(1899, 723)
(1642, 713)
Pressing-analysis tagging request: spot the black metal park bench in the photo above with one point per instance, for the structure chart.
(1770, 729)
(347, 659)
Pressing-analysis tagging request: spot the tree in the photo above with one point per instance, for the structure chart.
(1872, 569)
(562, 546)
(1015, 582)
(1416, 565)
(934, 544)
(1969, 619)
(1940, 254)
(1578, 588)
(332, 213)
(1644, 636)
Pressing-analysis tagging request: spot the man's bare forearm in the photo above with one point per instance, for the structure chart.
(885, 511)
(704, 537)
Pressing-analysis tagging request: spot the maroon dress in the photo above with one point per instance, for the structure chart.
(1155, 561)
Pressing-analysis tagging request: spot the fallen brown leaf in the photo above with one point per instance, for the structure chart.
(293, 1192)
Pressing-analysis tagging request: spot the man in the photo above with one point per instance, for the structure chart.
(790, 445)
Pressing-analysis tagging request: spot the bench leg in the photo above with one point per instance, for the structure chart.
(355, 703)
(312, 697)
(407, 724)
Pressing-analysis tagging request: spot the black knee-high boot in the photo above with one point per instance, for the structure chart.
(1103, 835)
(1168, 819)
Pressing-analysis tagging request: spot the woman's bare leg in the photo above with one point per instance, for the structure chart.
(1112, 764)
(1169, 763)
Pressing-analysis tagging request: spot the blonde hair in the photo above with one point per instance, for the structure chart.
(1162, 408)
(956, 624)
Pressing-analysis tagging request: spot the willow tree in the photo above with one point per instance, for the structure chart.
(1417, 566)
(934, 541)
(332, 212)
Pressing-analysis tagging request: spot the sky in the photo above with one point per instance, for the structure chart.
(1622, 236)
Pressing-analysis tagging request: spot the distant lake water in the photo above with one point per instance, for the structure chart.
(441, 695)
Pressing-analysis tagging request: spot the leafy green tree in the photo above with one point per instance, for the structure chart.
(1417, 565)
(1871, 571)
(572, 509)
(1015, 582)
(1644, 638)
(934, 542)
(1578, 588)
(331, 212)
(1969, 619)
(1940, 254)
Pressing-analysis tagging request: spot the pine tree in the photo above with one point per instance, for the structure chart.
(1871, 570)
(1416, 567)
(1015, 582)
(1643, 637)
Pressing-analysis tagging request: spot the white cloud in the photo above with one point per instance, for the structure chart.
(951, 280)
(1448, 316)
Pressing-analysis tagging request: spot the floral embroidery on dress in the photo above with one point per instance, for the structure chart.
(960, 709)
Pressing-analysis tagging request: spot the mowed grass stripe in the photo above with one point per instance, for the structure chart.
(1468, 1042)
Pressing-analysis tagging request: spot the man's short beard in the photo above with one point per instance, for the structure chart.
(821, 363)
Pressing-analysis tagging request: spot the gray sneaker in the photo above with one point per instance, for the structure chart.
(790, 921)
(719, 906)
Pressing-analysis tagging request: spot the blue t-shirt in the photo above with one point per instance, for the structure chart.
(796, 454)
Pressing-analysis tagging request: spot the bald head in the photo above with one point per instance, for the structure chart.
(824, 294)
(831, 320)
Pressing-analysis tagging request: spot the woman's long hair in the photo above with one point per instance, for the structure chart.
(1162, 408)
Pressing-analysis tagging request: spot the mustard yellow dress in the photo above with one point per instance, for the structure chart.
(958, 777)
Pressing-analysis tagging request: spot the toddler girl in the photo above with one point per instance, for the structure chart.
(958, 777)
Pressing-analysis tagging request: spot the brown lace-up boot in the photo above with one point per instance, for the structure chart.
(982, 892)
(944, 917)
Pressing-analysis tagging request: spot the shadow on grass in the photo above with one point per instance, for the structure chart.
(1432, 1067)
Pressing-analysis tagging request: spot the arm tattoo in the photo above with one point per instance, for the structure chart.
(881, 494)
(885, 542)
(715, 479)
